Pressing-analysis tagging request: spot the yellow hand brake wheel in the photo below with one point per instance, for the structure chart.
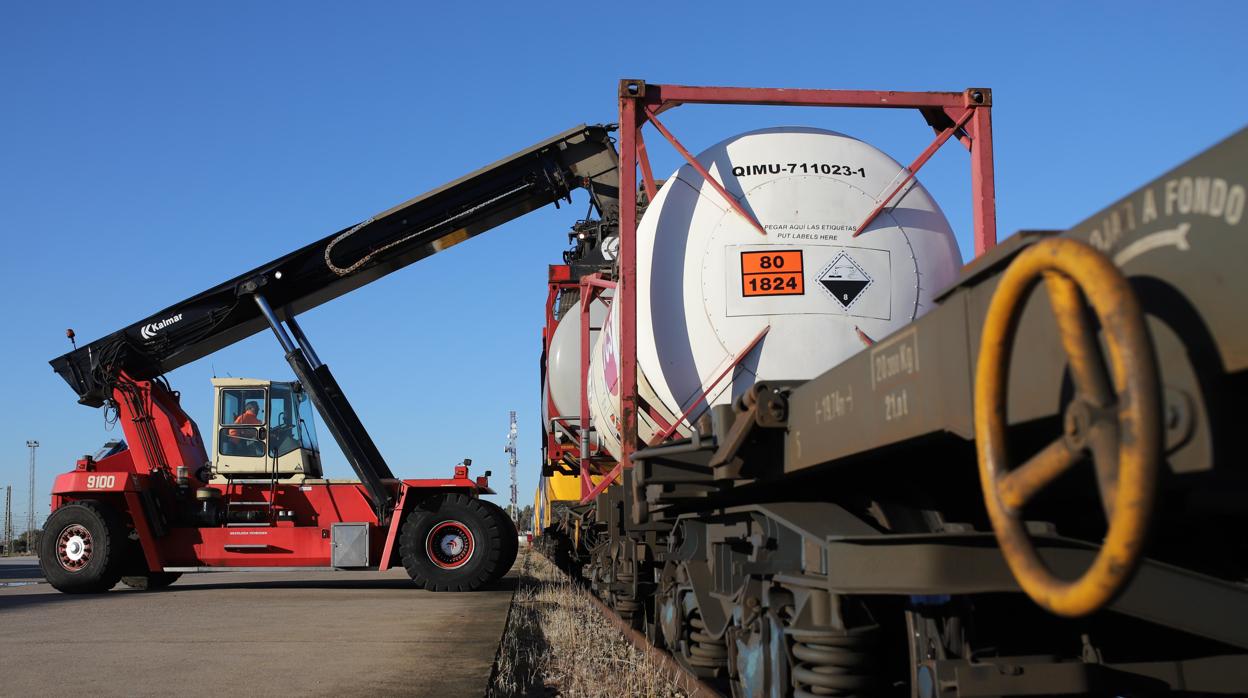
(1116, 419)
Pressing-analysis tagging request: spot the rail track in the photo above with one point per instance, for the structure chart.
(684, 679)
(548, 643)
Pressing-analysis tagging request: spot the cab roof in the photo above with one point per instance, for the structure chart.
(246, 382)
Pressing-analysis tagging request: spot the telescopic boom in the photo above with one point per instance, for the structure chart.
(350, 258)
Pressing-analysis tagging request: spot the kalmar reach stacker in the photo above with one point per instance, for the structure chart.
(167, 500)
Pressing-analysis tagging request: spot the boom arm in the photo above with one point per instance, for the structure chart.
(344, 261)
(273, 294)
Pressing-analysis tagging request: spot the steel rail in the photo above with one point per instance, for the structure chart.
(685, 680)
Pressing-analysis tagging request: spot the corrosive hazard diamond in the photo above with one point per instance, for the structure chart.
(844, 280)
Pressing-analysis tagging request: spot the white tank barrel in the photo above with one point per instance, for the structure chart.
(708, 282)
(546, 403)
(653, 418)
(563, 361)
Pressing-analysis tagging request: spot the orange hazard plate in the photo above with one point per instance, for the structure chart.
(772, 273)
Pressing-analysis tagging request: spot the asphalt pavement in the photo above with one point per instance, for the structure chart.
(249, 633)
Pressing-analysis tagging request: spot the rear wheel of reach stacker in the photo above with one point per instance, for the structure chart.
(453, 543)
(82, 549)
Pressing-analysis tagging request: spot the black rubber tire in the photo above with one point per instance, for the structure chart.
(108, 540)
(511, 543)
(150, 581)
(486, 532)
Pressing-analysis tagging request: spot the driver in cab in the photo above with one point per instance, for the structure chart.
(250, 416)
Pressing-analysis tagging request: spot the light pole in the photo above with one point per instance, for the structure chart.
(30, 515)
(511, 460)
(8, 520)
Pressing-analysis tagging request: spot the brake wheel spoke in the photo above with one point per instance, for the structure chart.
(1017, 487)
(1103, 443)
(1087, 368)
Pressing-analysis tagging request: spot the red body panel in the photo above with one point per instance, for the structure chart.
(303, 541)
(79, 481)
(387, 552)
(267, 546)
(161, 434)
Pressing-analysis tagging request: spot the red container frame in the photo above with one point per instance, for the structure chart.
(966, 116)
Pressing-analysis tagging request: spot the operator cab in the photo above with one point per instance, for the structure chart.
(263, 429)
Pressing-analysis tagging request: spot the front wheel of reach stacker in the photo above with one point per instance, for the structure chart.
(452, 542)
(81, 550)
(510, 540)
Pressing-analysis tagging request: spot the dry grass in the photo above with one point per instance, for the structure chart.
(558, 644)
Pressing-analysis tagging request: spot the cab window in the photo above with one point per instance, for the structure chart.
(307, 421)
(283, 421)
(242, 413)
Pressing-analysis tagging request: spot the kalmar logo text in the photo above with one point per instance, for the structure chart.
(150, 329)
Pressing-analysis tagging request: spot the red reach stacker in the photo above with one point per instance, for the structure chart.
(147, 509)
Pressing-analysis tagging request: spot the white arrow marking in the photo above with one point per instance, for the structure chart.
(1162, 238)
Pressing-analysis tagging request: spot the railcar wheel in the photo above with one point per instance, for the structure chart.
(1118, 422)
(452, 543)
(758, 658)
(598, 570)
(151, 581)
(81, 549)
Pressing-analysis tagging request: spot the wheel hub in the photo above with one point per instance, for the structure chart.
(74, 546)
(450, 545)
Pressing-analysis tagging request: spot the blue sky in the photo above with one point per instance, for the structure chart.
(151, 150)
